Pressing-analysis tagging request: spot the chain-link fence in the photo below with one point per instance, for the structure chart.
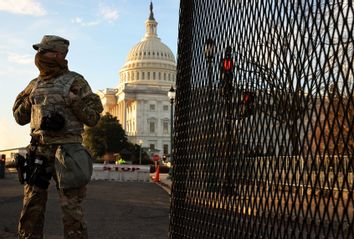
(264, 126)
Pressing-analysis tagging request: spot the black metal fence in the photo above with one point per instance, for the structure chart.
(264, 126)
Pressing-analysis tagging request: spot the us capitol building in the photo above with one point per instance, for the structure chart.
(140, 102)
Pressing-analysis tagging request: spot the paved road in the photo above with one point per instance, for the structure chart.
(119, 210)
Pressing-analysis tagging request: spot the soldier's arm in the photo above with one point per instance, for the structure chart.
(85, 105)
(22, 107)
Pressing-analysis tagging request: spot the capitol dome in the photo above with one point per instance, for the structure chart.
(140, 102)
(151, 49)
(150, 61)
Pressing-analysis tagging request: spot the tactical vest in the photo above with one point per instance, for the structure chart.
(49, 96)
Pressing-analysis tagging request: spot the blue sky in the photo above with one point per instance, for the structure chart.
(101, 33)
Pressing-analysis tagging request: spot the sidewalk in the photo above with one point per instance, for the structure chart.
(165, 181)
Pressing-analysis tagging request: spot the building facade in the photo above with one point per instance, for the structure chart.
(140, 101)
(9, 154)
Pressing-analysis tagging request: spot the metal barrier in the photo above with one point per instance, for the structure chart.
(122, 173)
(264, 123)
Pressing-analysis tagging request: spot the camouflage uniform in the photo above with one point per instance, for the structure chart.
(85, 109)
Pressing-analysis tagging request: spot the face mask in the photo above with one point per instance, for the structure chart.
(50, 67)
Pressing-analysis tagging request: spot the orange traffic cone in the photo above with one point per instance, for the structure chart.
(157, 175)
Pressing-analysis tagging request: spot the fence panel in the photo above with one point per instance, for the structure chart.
(264, 126)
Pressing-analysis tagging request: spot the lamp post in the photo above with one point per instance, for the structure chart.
(171, 95)
(209, 51)
(141, 144)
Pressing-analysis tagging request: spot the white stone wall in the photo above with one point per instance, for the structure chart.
(151, 110)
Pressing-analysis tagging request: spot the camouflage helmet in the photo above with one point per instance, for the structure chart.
(52, 42)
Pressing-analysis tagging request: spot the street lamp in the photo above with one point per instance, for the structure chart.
(141, 144)
(209, 51)
(171, 95)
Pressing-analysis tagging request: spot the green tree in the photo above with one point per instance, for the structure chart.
(107, 136)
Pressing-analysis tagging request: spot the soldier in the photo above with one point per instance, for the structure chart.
(56, 104)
